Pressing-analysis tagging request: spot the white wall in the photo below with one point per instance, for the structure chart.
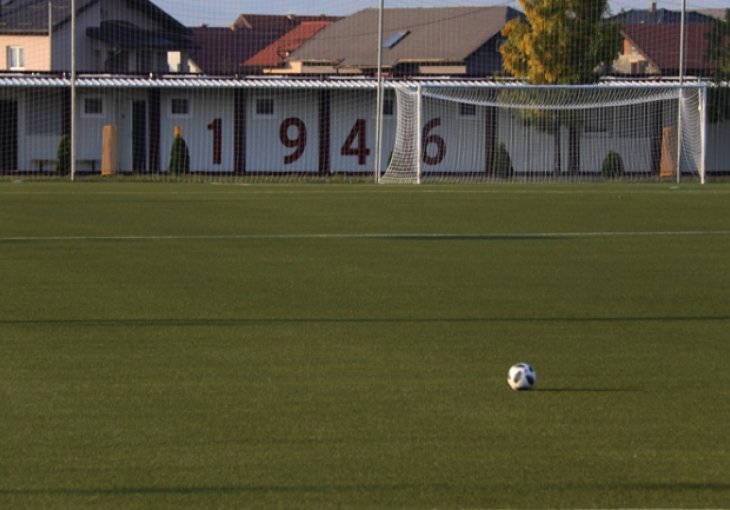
(350, 111)
(265, 150)
(198, 131)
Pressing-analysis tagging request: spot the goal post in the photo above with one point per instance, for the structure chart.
(471, 131)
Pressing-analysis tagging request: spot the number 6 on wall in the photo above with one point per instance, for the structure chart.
(429, 138)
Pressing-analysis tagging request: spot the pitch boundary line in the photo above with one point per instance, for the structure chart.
(383, 235)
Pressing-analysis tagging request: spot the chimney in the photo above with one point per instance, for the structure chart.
(652, 7)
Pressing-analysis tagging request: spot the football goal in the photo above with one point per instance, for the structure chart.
(468, 131)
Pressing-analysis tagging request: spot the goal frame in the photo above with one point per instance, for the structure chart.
(663, 89)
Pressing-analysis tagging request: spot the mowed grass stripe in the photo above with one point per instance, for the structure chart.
(400, 236)
(241, 360)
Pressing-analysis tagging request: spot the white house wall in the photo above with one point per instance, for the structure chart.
(275, 142)
(84, 52)
(122, 107)
(452, 142)
(286, 140)
(209, 111)
(87, 58)
(39, 125)
(718, 148)
(350, 111)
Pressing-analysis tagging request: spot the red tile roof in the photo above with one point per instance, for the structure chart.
(275, 53)
(660, 45)
(220, 50)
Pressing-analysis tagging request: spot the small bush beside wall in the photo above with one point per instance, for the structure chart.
(502, 163)
(179, 157)
(613, 165)
(63, 156)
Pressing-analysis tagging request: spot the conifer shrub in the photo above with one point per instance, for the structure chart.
(502, 163)
(179, 157)
(613, 165)
(63, 156)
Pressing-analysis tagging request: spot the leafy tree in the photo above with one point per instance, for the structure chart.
(718, 51)
(560, 42)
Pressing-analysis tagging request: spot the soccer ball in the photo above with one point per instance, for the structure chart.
(521, 377)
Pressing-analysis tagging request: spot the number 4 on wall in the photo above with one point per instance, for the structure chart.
(356, 142)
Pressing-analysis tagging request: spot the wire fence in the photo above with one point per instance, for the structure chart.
(307, 90)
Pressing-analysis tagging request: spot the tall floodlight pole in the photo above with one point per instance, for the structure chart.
(681, 90)
(50, 35)
(73, 90)
(379, 97)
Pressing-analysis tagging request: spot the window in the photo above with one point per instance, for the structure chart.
(395, 39)
(265, 107)
(179, 107)
(598, 121)
(639, 67)
(16, 58)
(92, 106)
(41, 115)
(144, 61)
(388, 105)
(467, 110)
(117, 62)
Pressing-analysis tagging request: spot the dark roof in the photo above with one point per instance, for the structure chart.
(127, 35)
(721, 14)
(221, 50)
(660, 17)
(275, 53)
(660, 45)
(31, 16)
(460, 31)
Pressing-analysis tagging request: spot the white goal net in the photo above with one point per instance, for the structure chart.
(468, 132)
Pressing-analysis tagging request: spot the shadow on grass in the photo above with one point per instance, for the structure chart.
(480, 237)
(273, 321)
(226, 489)
(323, 489)
(588, 390)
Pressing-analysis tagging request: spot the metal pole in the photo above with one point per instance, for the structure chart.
(703, 132)
(681, 90)
(73, 90)
(419, 139)
(50, 35)
(379, 98)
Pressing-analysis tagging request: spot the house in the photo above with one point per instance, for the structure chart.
(221, 51)
(651, 41)
(654, 16)
(112, 36)
(721, 14)
(653, 50)
(272, 59)
(468, 43)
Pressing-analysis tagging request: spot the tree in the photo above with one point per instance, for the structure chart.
(502, 163)
(179, 156)
(63, 156)
(560, 42)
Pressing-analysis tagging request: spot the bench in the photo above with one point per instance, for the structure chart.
(41, 164)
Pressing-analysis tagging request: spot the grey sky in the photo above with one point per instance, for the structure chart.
(223, 12)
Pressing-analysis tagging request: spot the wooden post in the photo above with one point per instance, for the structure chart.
(109, 151)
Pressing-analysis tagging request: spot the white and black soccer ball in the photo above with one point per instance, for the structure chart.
(521, 377)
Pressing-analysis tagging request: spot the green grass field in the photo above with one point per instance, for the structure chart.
(334, 346)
